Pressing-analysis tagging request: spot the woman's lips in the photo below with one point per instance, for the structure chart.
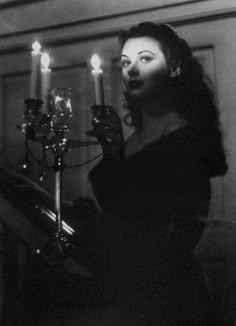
(134, 84)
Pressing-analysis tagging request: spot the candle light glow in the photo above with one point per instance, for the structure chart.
(95, 62)
(36, 46)
(45, 60)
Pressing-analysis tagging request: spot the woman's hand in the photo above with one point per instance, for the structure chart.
(107, 129)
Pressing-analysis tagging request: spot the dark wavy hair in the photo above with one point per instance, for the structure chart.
(190, 91)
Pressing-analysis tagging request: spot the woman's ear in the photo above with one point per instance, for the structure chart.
(175, 71)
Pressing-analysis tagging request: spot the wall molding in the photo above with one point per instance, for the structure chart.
(94, 19)
(22, 3)
(59, 41)
(55, 69)
(17, 3)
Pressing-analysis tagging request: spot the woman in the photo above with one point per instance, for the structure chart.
(154, 187)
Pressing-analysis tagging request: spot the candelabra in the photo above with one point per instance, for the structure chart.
(50, 129)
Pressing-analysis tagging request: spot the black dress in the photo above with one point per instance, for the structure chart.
(155, 204)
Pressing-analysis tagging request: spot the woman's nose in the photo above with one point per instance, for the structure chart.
(133, 69)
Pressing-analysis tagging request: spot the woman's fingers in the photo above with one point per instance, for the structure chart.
(106, 128)
(106, 131)
(106, 124)
(102, 108)
(105, 112)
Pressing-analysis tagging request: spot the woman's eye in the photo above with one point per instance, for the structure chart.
(146, 59)
(125, 63)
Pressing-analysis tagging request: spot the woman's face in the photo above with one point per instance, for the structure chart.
(144, 66)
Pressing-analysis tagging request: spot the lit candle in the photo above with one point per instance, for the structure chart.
(98, 80)
(45, 79)
(34, 76)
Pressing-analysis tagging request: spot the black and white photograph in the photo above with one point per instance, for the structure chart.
(117, 163)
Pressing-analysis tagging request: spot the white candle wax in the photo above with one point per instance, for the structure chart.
(45, 79)
(97, 74)
(35, 64)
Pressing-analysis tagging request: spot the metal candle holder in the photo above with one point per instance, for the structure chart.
(49, 129)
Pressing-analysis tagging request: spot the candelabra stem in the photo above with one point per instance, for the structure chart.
(58, 191)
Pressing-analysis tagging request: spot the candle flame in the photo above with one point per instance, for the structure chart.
(45, 60)
(95, 61)
(36, 46)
